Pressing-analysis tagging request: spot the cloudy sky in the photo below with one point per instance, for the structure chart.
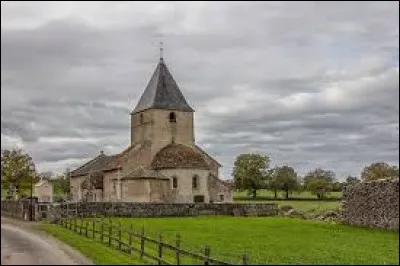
(311, 84)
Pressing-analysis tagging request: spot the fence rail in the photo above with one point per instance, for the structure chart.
(112, 234)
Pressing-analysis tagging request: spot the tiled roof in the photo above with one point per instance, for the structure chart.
(96, 164)
(162, 92)
(144, 173)
(178, 156)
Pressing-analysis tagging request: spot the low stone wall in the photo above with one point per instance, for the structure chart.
(19, 209)
(372, 204)
(128, 209)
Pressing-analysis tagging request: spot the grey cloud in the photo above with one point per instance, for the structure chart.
(67, 78)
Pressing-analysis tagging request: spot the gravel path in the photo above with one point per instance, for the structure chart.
(20, 245)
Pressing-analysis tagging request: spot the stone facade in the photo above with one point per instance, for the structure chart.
(173, 169)
(372, 204)
(43, 190)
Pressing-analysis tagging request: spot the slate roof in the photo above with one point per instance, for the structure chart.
(162, 92)
(178, 156)
(144, 173)
(97, 163)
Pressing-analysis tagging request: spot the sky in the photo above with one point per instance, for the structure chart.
(310, 84)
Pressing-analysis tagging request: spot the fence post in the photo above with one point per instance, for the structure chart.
(245, 259)
(80, 228)
(130, 238)
(86, 228)
(160, 243)
(94, 227)
(67, 209)
(75, 225)
(142, 243)
(119, 235)
(102, 230)
(109, 233)
(178, 246)
(206, 255)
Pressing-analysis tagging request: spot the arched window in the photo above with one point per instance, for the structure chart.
(172, 117)
(195, 181)
(174, 182)
(141, 119)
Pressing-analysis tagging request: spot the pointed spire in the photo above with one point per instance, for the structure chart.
(162, 92)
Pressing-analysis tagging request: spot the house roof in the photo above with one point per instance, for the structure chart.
(144, 173)
(96, 164)
(179, 156)
(42, 182)
(162, 92)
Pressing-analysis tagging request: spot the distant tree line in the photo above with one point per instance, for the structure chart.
(252, 172)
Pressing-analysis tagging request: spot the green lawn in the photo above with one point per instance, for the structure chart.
(271, 240)
(94, 250)
(281, 194)
(310, 207)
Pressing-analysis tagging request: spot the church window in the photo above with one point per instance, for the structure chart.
(172, 117)
(195, 181)
(141, 119)
(221, 197)
(174, 182)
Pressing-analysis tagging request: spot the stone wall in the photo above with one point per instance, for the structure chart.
(18, 209)
(372, 204)
(130, 209)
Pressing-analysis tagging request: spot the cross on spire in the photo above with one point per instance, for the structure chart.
(161, 51)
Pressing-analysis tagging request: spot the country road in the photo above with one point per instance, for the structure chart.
(20, 245)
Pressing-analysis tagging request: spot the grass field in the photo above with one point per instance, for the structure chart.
(281, 194)
(270, 240)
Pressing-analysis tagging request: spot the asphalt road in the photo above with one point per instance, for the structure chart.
(21, 245)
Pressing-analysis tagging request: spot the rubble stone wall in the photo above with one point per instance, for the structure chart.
(372, 204)
(55, 211)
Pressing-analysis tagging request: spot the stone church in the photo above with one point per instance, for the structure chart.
(162, 163)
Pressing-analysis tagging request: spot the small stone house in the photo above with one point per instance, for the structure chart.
(43, 190)
(163, 163)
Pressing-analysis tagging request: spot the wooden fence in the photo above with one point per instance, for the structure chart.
(114, 235)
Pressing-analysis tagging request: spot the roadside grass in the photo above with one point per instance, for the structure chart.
(92, 249)
(271, 240)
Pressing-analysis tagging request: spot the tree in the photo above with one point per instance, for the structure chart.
(351, 180)
(319, 182)
(284, 178)
(17, 171)
(273, 182)
(46, 175)
(61, 183)
(250, 172)
(66, 181)
(379, 171)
